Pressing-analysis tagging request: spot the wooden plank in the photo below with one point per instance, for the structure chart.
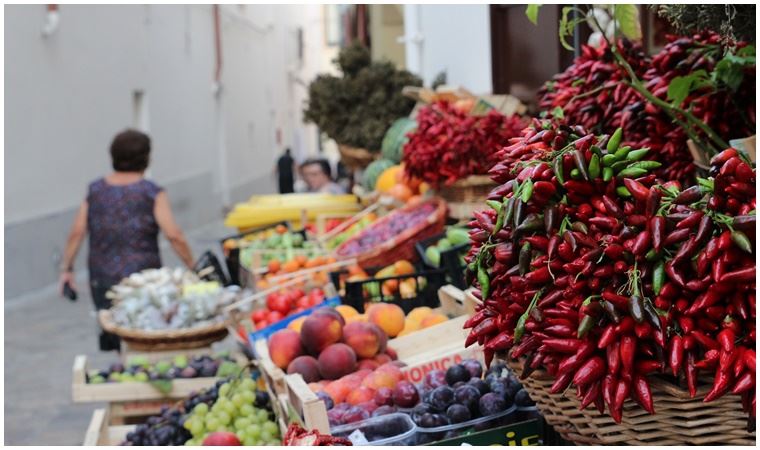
(273, 375)
(429, 338)
(154, 357)
(311, 409)
(97, 428)
(452, 300)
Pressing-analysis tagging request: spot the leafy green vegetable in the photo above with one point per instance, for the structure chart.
(627, 16)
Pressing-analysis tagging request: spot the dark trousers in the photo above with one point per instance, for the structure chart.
(106, 341)
(286, 185)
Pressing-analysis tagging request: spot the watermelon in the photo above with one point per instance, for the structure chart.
(373, 171)
(395, 138)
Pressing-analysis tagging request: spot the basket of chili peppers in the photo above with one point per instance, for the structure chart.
(640, 293)
(452, 150)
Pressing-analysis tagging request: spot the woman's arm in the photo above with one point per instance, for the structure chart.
(74, 241)
(163, 212)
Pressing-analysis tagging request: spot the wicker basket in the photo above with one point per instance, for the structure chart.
(355, 158)
(402, 246)
(680, 419)
(160, 340)
(473, 189)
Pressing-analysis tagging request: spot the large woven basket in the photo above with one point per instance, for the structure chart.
(160, 340)
(473, 189)
(355, 158)
(402, 246)
(679, 419)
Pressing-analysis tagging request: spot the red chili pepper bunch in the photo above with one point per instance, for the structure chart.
(450, 144)
(729, 114)
(592, 91)
(595, 271)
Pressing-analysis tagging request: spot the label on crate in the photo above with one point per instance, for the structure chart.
(522, 433)
(415, 373)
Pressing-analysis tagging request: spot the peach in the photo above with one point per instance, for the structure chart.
(338, 391)
(433, 319)
(364, 338)
(330, 312)
(381, 359)
(352, 380)
(370, 364)
(389, 317)
(319, 331)
(357, 318)
(284, 346)
(363, 372)
(360, 395)
(419, 313)
(346, 311)
(392, 368)
(296, 324)
(379, 379)
(336, 360)
(307, 366)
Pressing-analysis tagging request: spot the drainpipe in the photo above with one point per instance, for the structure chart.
(52, 18)
(216, 89)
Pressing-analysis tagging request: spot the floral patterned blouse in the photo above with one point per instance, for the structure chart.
(123, 230)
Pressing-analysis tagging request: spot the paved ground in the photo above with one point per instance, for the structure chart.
(43, 334)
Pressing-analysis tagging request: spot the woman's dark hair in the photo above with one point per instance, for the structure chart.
(130, 151)
(323, 164)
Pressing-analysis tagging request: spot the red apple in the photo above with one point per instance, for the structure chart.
(221, 438)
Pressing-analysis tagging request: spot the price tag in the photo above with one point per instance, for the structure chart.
(358, 438)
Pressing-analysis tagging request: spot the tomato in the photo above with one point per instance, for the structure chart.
(302, 303)
(261, 324)
(258, 315)
(274, 316)
(316, 296)
(280, 303)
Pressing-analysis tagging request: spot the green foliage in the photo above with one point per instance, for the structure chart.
(532, 12)
(627, 17)
(358, 107)
(732, 22)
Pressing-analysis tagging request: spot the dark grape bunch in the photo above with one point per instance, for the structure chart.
(167, 428)
(140, 369)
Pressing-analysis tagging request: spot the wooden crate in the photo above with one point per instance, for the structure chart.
(99, 432)
(273, 375)
(154, 357)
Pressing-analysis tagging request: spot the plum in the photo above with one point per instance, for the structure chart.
(355, 414)
(468, 396)
(491, 403)
(457, 384)
(498, 369)
(441, 420)
(501, 387)
(420, 410)
(473, 366)
(522, 398)
(441, 398)
(405, 394)
(455, 373)
(435, 378)
(325, 397)
(458, 413)
(335, 417)
(383, 410)
(427, 420)
(481, 385)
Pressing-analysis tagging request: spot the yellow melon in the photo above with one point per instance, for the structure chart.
(388, 178)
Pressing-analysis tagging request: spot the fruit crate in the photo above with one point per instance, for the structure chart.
(359, 293)
(436, 347)
(232, 256)
(131, 399)
(450, 259)
(100, 432)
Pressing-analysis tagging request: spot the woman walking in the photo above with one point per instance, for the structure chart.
(123, 214)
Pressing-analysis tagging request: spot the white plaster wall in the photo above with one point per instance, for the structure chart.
(455, 39)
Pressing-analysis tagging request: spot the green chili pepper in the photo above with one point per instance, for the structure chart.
(580, 227)
(527, 191)
(609, 159)
(523, 259)
(575, 174)
(741, 240)
(615, 139)
(510, 209)
(620, 165)
(531, 223)
(520, 326)
(658, 276)
(501, 213)
(622, 191)
(596, 150)
(593, 167)
(632, 172)
(496, 206)
(622, 152)
(557, 167)
(484, 281)
(607, 174)
(637, 154)
(652, 255)
(648, 165)
(587, 323)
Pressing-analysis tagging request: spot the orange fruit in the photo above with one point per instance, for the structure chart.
(423, 188)
(403, 267)
(401, 192)
(290, 266)
(346, 311)
(388, 179)
(281, 229)
(433, 319)
(414, 200)
(274, 266)
(390, 287)
(301, 260)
